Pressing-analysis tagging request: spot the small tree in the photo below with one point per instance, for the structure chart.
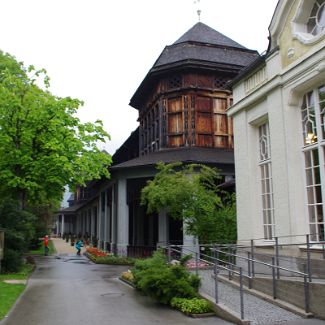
(189, 193)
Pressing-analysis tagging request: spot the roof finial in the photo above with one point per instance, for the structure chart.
(197, 2)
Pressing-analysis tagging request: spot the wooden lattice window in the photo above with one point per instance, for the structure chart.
(220, 82)
(174, 82)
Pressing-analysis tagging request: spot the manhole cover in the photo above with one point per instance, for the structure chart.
(112, 294)
(80, 262)
(76, 260)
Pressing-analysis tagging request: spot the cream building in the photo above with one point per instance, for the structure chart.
(279, 129)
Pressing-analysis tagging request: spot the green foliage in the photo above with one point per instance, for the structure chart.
(184, 190)
(43, 145)
(111, 259)
(8, 295)
(10, 292)
(191, 306)
(190, 193)
(161, 281)
(12, 261)
(22, 274)
(221, 226)
(19, 231)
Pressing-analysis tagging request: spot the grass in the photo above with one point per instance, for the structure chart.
(9, 293)
(40, 251)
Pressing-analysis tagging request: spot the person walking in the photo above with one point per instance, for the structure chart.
(46, 245)
(78, 245)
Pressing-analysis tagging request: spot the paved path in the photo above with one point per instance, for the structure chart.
(70, 290)
(256, 310)
(62, 247)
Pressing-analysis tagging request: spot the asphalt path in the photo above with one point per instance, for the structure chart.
(71, 290)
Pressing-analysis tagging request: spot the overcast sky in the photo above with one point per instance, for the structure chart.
(99, 51)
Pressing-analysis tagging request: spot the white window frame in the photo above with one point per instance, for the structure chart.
(299, 24)
(314, 149)
(266, 181)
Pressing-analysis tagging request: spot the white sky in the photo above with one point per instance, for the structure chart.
(99, 51)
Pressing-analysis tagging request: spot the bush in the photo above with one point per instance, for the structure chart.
(128, 276)
(157, 279)
(35, 244)
(191, 306)
(112, 260)
(12, 261)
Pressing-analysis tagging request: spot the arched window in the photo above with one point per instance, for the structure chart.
(309, 23)
(316, 20)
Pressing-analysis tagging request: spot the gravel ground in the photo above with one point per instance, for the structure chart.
(256, 310)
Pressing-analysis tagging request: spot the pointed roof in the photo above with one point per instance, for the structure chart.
(202, 33)
(201, 47)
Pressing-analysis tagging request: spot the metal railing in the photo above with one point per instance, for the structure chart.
(275, 274)
(179, 250)
(304, 244)
(229, 266)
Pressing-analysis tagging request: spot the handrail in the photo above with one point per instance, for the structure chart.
(260, 262)
(242, 257)
(273, 266)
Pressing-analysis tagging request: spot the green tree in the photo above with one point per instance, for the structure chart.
(190, 193)
(43, 145)
(221, 226)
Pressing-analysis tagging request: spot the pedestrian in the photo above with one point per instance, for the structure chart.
(78, 245)
(46, 245)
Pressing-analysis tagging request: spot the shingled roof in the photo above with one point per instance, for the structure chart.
(200, 47)
(202, 33)
(186, 155)
(202, 43)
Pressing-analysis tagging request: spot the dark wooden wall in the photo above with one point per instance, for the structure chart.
(187, 110)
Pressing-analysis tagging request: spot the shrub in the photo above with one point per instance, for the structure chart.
(128, 276)
(12, 261)
(157, 279)
(113, 260)
(35, 244)
(191, 306)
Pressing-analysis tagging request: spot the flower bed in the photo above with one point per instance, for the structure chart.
(96, 252)
(191, 264)
(101, 257)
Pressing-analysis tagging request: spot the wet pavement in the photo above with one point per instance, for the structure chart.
(66, 289)
(71, 290)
